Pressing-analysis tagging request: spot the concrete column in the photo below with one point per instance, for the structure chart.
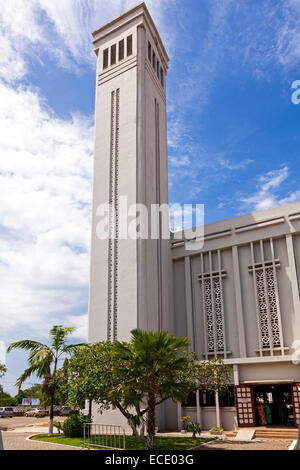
(218, 414)
(292, 274)
(236, 381)
(189, 302)
(179, 416)
(238, 302)
(198, 408)
(236, 378)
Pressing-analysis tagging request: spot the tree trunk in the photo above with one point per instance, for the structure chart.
(151, 416)
(90, 410)
(129, 419)
(51, 415)
(135, 432)
(139, 434)
(142, 431)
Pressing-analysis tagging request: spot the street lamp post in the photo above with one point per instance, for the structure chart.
(1, 441)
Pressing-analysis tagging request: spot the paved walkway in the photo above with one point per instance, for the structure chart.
(18, 441)
(254, 445)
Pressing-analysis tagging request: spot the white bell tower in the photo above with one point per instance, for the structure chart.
(131, 280)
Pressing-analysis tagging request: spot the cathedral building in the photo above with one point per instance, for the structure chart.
(235, 298)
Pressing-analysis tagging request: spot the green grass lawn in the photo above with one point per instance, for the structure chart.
(161, 443)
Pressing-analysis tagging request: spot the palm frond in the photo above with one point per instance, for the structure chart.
(36, 357)
(39, 369)
(72, 347)
(59, 335)
(27, 345)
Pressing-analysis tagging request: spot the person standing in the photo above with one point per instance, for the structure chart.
(268, 413)
(283, 413)
(261, 413)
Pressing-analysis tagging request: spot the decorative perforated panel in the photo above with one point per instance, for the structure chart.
(273, 307)
(218, 314)
(268, 313)
(214, 316)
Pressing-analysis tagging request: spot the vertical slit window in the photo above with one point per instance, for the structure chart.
(105, 58)
(154, 60)
(129, 45)
(149, 51)
(157, 69)
(113, 54)
(162, 76)
(121, 50)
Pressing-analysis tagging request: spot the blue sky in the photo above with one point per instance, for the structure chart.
(233, 135)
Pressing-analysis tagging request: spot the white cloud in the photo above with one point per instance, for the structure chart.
(45, 195)
(226, 163)
(268, 191)
(80, 323)
(179, 162)
(61, 28)
(46, 164)
(19, 31)
(75, 20)
(264, 39)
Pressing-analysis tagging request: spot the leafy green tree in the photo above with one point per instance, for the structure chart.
(214, 376)
(3, 370)
(135, 377)
(44, 360)
(33, 392)
(20, 395)
(90, 376)
(154, 367)
(3, 394)
(62, 389)
(5, 398)
(8, 400)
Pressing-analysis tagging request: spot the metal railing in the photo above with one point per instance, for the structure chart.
(105, 436)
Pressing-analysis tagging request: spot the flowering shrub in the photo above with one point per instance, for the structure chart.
(73, 425)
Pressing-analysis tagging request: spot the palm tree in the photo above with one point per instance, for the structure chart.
(43, 360)
(155, 368)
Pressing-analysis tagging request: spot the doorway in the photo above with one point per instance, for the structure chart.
(273, 405)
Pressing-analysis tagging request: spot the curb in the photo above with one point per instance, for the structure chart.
(205, 443)
(29, 438)
(293, 445)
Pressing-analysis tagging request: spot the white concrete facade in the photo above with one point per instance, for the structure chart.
(237, 298)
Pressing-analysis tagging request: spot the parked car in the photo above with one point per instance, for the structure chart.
(6, 412)
(36, 412)
(65, 411)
